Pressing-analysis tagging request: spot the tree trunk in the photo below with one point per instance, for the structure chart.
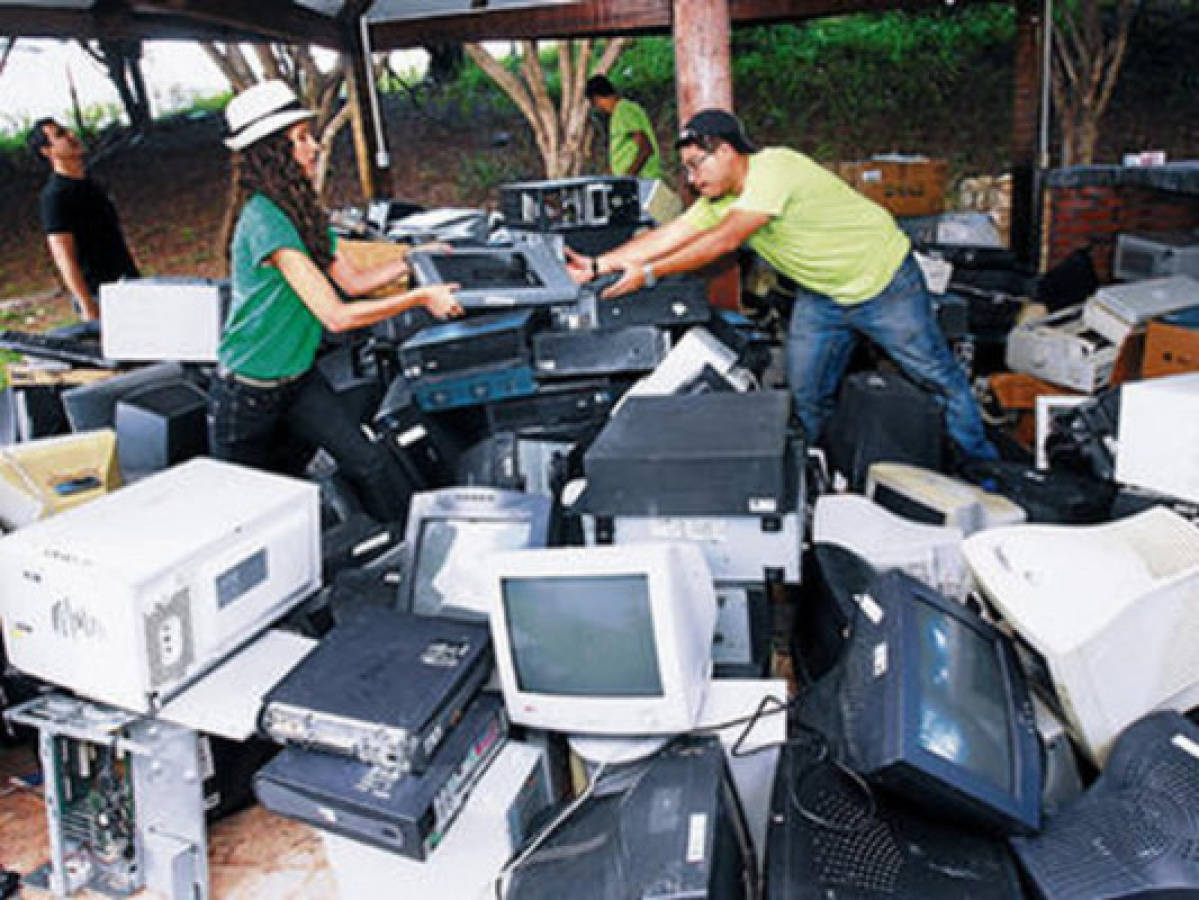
(562, 133)
(1088, 53)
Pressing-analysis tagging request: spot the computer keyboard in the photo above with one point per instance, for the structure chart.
(64, 349)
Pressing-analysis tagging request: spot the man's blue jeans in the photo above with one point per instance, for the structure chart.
(900, 320)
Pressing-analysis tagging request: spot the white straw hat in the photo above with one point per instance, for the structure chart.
(263, 109)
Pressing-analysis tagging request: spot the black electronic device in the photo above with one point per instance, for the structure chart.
(490, 278)
(556, 410)
(474, 388)
(667, 828)
(608, 351)
(882, 417)
(741, 643)
(424, 447)
(94, 405)
(354, 542)
(499, 339)
(928, 702)
(1052, 495)
(74, 350)
(492, 462)
(675, 300)
(709, 454)
(1134, 832)
(383, 688)
(829, 607)
(407, 814)
(566, 204)
(229, 768)
(160, 425)
(404, 325)
(828, 840)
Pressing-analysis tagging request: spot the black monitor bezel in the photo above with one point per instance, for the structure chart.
(556, 287)
(1015, 810)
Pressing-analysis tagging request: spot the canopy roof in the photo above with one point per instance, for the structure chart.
(394, 23)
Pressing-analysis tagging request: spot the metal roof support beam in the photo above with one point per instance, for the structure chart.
(274, 20)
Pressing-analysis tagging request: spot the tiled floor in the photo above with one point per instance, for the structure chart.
(253, 855)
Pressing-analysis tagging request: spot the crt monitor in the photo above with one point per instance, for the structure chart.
(94, 405)
(450, 531)
(928, 701)
(604, 640)
(159, 426)
(489, 277)
(1105, 615)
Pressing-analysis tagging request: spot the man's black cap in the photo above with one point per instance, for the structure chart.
(716, 123)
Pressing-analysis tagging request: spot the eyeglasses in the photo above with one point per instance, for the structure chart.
(692, 166)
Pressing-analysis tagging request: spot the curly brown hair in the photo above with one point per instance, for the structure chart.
(267, 167)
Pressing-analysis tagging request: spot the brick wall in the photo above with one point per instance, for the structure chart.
(1095, 214)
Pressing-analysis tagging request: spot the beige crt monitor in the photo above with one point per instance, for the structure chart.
(1109, 615)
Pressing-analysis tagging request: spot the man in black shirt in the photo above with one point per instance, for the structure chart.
(81, 224)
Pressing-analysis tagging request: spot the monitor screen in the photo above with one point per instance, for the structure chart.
(448, 553)
(590, 636)
(963, 702)
(495, 271)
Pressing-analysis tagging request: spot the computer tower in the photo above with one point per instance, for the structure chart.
(610, 351)
(556, 410)
(496, 820)
(711, 454)
(406, 813)
(569, 203)
(1156, 254)
(474, 387)
(384, 688)
(480, 341)
(676, 300)
(159, 426)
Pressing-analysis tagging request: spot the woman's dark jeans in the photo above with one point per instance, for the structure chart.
(276, 428)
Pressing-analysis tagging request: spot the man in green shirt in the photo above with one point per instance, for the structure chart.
(632, 146)
(853, 267)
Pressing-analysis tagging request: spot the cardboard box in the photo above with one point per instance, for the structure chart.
(1170, 350)
(906, 186)
(46, 476)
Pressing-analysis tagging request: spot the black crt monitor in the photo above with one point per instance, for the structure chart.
(829, 840)
(528, 274)
(929, 702)
(1135, 830)
(450, 530)
(159, 426)
(92, 406)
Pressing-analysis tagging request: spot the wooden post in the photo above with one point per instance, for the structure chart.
(1031, 32)
(704, 79)
(375, 181)
(702, 51)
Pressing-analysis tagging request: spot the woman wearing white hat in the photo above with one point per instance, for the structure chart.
(268, 403)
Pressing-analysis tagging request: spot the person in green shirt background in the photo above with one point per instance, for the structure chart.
(269, 405)
(632, 146)
(854, 268)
